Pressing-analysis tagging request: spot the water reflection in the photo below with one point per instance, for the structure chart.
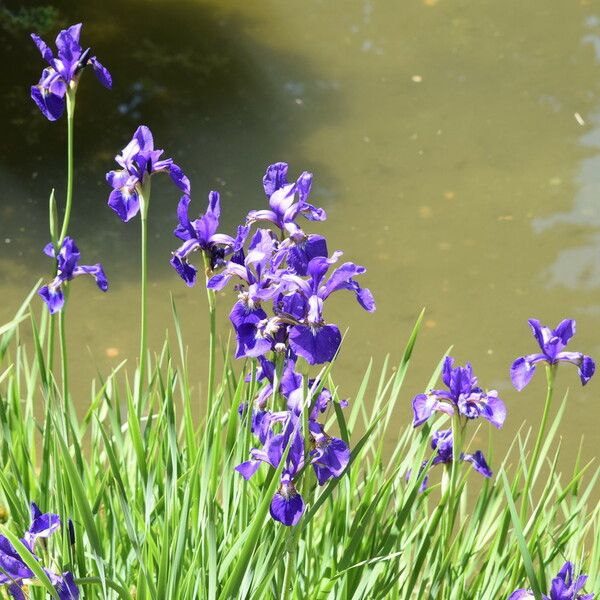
(444, 145)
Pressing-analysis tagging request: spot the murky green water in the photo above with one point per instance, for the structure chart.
(455, 146)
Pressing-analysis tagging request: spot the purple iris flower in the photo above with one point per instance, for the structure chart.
(552, 343)
(14, 569)
(254, 331)
(63, 71)
(67, 269)
(310, 337)
(201, 234)
(287, 505)
(442, 443)
(463, 395)
(290, 381)
(284, 207)
(330, 455)
(139, 160)
(564, 587)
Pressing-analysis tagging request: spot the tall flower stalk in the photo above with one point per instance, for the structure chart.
(552, 343)
(139, 160)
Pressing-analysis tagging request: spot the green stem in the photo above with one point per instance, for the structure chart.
(69, 202)
(550, 377)
(63, 355)
(144, 199)
(287, 589)
(212, 340)
(143, 309)
(452, 501)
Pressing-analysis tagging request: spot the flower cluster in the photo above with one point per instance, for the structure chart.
(14, 571)
(67, 268)
(63, 71)
(564, 587)
(282, 280)
(278, 430)
(464, 400)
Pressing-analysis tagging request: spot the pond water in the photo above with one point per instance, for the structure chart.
(454, 145)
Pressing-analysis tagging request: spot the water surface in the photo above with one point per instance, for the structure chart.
(454, 145)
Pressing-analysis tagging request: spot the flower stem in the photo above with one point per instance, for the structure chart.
(212, 340)
(143, 308)
(287, 589)
(63, 356)
(550, 377)
(69, 200)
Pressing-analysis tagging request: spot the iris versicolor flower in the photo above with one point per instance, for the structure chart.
(564, 587)
(67, 269)
(201, 234)
(463, 396)
(139, 160)
(552, 343)
(15, 572)
(63, 71)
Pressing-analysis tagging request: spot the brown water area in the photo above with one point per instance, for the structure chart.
(454, 144)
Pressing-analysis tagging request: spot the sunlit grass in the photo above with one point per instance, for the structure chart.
(159, 511)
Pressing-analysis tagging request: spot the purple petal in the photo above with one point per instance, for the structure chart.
(186, 271)
(330, 458)
(51, 105)
(565, 330)
(585, 364)
(288, 508)
(102, 73)
(424, 405)
(125, 203)
(523, 368)
(522, 594)
(245, 322)
(16, 592)
(275, 178)
(179, 178)
(478, 462)
(53, 297)
(96, 271)
(43, 48)
(316, 345)
(301, 254)
(248, 469)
